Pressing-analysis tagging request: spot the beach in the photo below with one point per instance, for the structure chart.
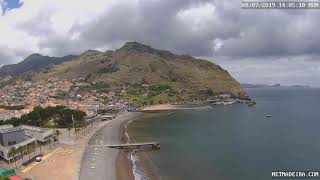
(169, 107)
(81, 159)
(136, 164)
(73, 160)
(124, 166)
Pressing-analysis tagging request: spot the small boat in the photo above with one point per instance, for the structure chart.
(251, 103)
(268, 115)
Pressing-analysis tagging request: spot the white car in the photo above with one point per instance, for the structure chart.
(38, 159)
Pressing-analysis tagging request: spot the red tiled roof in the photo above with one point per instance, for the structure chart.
(3, 110)
(16, 178)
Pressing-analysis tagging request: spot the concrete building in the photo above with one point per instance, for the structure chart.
(21, 136)
(41, 134)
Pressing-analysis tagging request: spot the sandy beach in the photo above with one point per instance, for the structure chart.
(126, 166)
(123, 163)
(160, 107)
(168, 107)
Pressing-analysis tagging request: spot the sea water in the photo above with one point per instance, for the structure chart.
(235, 141)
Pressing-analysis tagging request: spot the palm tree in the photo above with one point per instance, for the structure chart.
(12, 153)
(57, 134)
(33, 145)
(49, 141)
(69, 129)
(21, 150)
(28, 146)
(40, 147)
(4, 178)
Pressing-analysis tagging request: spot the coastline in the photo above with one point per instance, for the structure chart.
(171, 107)
(130, 161)
(124, 167)
(87, 140)
(100, 162)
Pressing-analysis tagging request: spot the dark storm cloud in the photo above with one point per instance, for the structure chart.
(151, 22)
(188, 27)
(243, 33)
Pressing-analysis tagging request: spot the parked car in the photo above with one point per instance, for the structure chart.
(38, 159)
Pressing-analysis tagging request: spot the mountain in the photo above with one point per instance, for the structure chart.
(33, 62)
(142, 72)
(247, 85)
(138, 63)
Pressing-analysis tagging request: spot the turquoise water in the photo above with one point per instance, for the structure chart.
(237, 142)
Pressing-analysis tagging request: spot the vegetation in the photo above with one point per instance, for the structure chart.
(11, 107)
(12, 153)
(60, 95)
(58, 133)
(59, 116)
(100, 86)
(134, 65)
(4, 178)
(105, 111)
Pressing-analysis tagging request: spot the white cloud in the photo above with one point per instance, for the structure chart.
(197, 18)
(26, 28)
(218, 43)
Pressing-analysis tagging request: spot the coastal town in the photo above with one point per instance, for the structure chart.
(83, 96)
(98, 101)
(53, 92)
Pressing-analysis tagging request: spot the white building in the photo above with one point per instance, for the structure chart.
(21, 136)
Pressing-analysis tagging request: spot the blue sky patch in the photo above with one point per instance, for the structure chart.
(13, 4)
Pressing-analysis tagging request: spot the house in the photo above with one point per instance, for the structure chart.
(224, 96)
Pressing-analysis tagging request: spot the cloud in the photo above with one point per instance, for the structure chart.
(199, 28)
(211, 28)
(37, 21)
(294, 70)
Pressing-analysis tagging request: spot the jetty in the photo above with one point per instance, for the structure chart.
(146, 145)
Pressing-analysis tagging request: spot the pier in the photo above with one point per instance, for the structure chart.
(147, 145)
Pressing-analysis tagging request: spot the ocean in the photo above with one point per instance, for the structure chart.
(235, 141)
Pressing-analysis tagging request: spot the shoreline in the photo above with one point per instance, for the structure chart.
(99, 163)
(124, 166)
(123, 163)
(171, 107)
(87, 140)
(129, 161)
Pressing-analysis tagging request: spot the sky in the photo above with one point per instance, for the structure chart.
(255, 46)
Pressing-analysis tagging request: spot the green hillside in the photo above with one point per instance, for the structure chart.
(136, 63)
